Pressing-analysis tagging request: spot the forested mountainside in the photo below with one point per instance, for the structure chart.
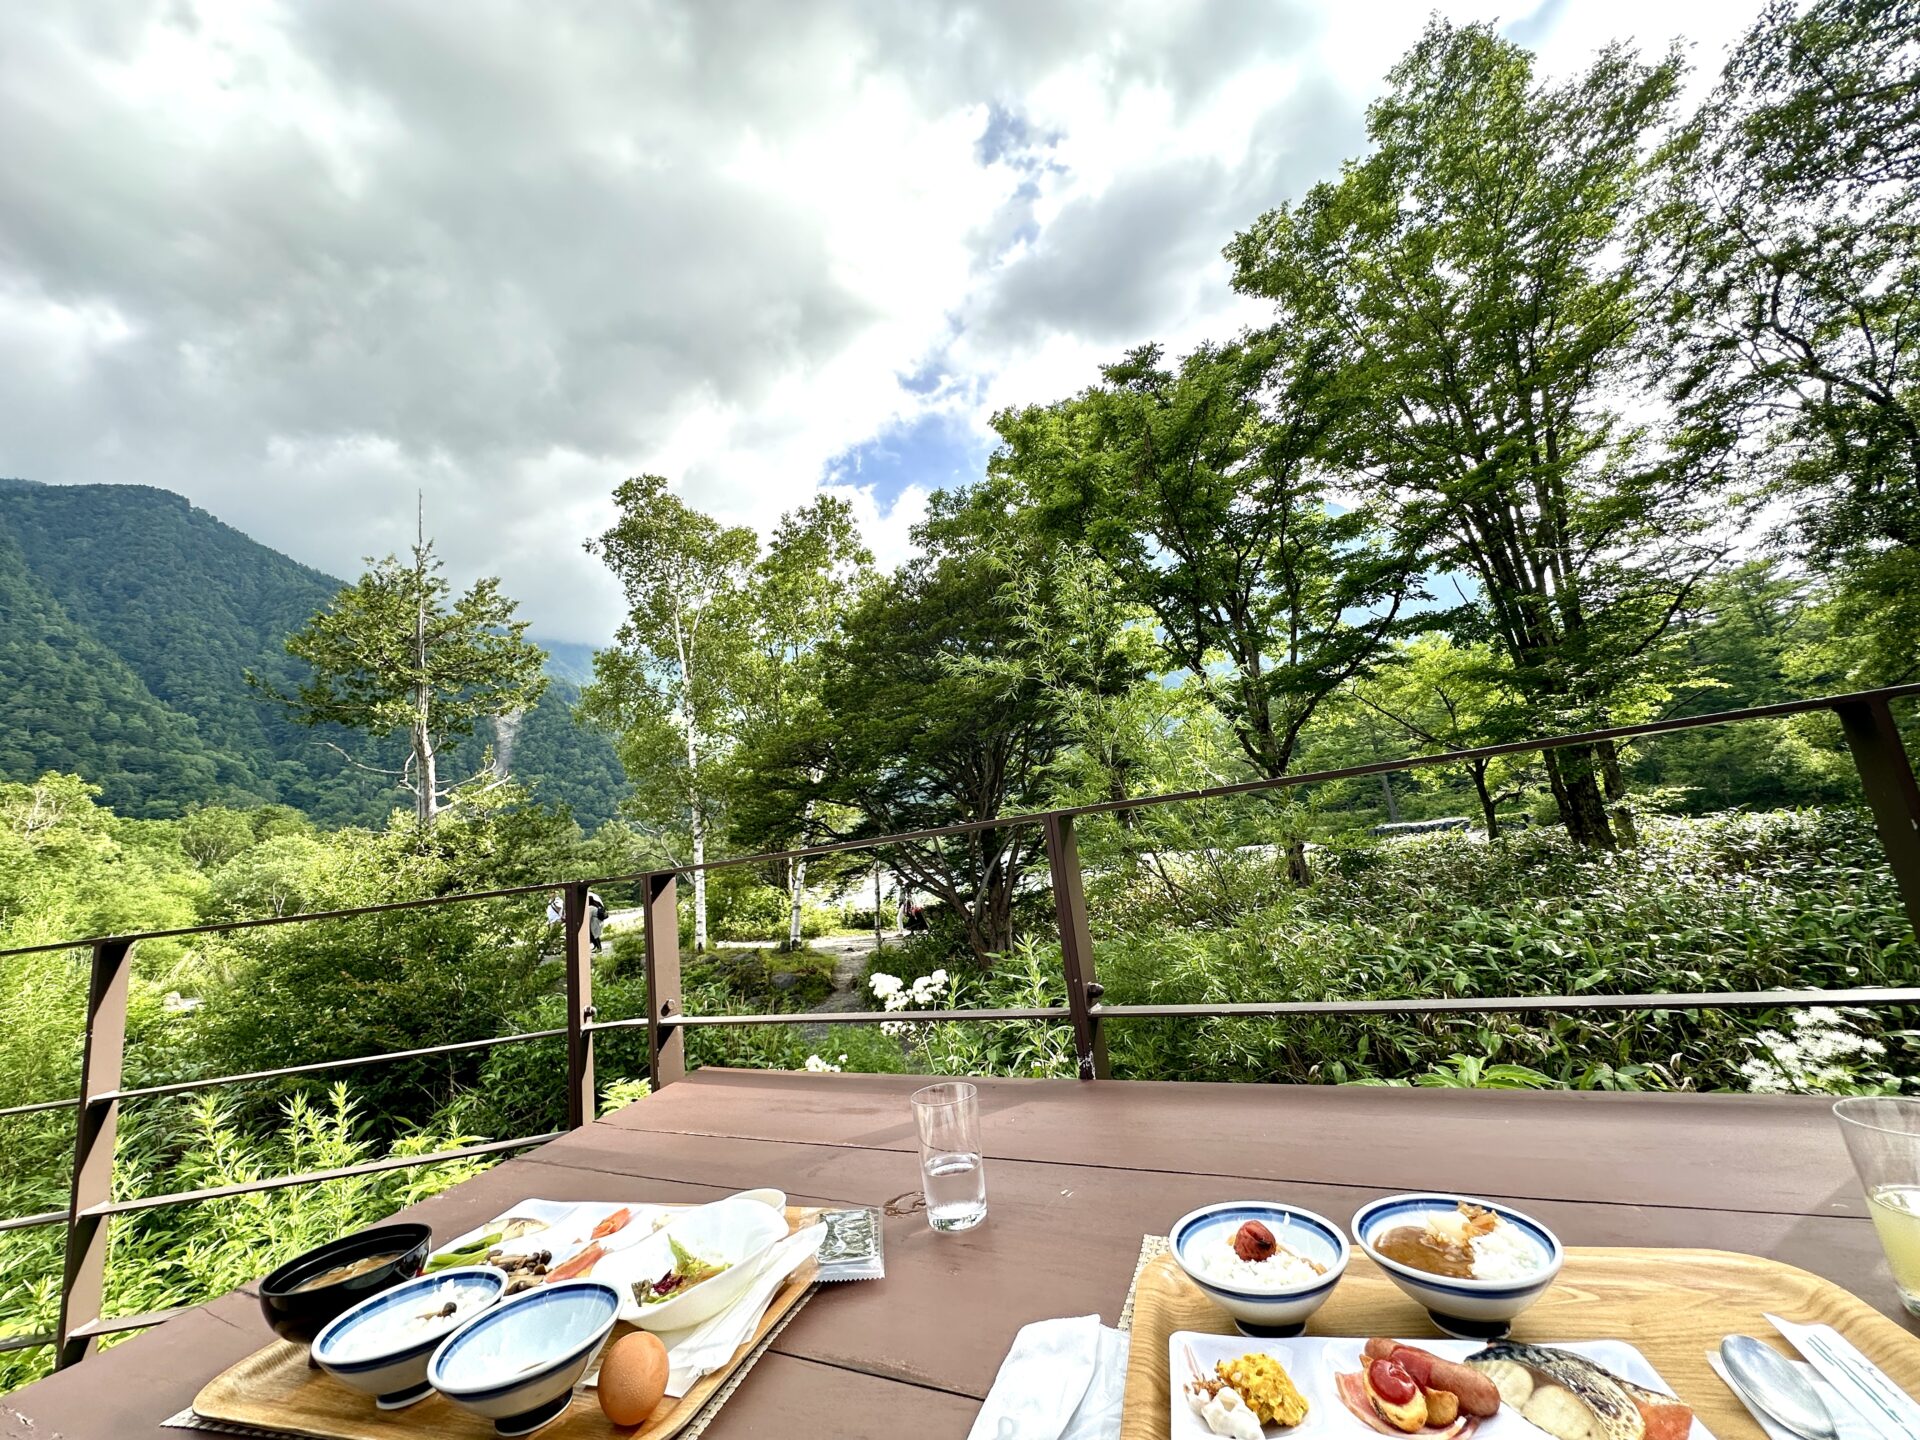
(130, 621)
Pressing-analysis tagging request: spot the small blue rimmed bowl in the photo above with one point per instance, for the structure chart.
(1468, 1309)
(1268, 1312)
(517, 1363)
(381, 1346)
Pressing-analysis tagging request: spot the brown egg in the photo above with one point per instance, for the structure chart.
(633, 1377)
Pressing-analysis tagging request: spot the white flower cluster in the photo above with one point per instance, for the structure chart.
(1826, 1054)
(820, 1067)
(895, 994)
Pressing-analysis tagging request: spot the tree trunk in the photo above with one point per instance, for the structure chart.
(876, 908)
(1576, 793)
(426, 799)
(796, 884)
(1386, 792)
(1616, 790)
(1488, 816)
(1298, 871)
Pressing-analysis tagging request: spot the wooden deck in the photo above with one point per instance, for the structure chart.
(1077, 1173)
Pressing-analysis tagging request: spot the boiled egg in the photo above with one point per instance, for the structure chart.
(633, 1377)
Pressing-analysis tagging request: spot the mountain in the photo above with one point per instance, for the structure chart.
(128, 621)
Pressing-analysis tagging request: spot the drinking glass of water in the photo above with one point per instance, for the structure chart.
(1883, 1136)
(951, 1170)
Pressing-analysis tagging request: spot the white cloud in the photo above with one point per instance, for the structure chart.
(302, 262)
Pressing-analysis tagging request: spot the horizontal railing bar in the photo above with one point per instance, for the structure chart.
(180, 1086)
(220, 927)
(315, 1177)
(1282, 782)
(29, 1222)
(38, 1106)
(1144, 802)
(24, 1342)
(1705, 1000)
(865, 1017)
(118, 1324)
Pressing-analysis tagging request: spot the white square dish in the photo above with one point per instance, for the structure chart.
(1314, 1361)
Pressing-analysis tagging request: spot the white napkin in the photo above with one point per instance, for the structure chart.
(704, 1348)
(1062, 1380)
(1845, 1419)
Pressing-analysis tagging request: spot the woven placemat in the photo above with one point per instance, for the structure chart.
(187, 1419)
(1152, 1247)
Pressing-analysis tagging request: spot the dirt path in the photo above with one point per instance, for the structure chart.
(850, 955)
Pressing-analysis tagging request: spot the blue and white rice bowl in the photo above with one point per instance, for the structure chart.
(1280, 1310)
(517, 1363)
(1470, 1309)
(382, 1345)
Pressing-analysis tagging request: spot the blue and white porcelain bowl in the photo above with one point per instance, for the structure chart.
(517, 1363)
(381, 1346)
(1470, 1309)
(1202, 1243)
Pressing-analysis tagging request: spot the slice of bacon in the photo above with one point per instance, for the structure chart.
(1353, 1394)
(612, 1223)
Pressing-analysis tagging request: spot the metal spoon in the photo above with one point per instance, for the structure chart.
(1763, 1376)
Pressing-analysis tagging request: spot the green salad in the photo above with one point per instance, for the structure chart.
(688, 1271)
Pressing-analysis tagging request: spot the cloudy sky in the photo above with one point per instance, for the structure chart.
(301, 261)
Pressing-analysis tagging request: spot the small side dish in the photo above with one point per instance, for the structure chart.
(1572, 1398)
(1404, 1390)
(1245, 1394)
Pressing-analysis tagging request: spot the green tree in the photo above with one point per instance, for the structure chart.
(668, 686)
(1476, 261)
(797, 598)
(394, 653)
(1794, 233)
(1456, 697)
(911, 735)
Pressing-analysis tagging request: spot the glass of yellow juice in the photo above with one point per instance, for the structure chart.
(1883, 1136)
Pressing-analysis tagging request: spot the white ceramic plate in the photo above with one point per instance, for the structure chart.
(569, 1229)
(1313, 1361)
(737, 1230)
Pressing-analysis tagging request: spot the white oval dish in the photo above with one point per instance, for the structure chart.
(737, 1232)
(1470, 1309)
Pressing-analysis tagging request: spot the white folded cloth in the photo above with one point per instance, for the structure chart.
(1846, 1420)
(704, 1348)
(1062, 1380)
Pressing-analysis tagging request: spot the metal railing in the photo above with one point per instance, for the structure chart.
(1886, 775)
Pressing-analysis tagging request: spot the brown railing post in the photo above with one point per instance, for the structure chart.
(579, 961)
(1076, 946)
(666, 1044)
(1886, 775)
(84, 1278)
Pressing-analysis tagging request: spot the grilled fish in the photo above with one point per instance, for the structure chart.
(1564, 1394)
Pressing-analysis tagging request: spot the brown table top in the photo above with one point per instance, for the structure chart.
(1077, 1173)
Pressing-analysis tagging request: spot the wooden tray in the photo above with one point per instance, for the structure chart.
(276, 1389)
(1674, 1305)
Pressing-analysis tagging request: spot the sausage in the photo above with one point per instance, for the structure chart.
(1478, 1395)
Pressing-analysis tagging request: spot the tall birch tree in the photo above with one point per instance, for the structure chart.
(667, 687)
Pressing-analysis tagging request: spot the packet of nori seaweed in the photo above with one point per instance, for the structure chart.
(853, 1247)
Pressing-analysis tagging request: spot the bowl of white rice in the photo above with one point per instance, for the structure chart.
(1509, 1257)
(1273, 1295)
